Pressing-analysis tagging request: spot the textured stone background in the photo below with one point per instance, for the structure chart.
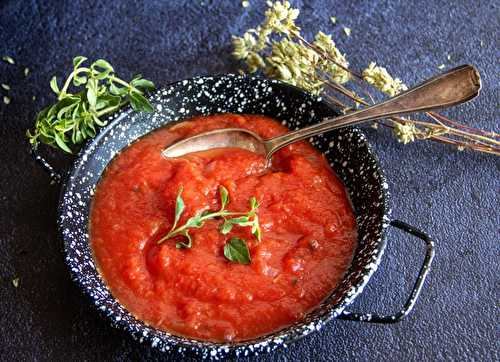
(452, 195)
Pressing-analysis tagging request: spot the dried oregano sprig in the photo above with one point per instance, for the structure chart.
(277, 48)
(381, 79)
(289, 60)
(78, 113)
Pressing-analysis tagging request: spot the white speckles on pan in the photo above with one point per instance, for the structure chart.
(347, 151)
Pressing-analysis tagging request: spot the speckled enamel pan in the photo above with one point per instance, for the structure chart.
(347, 151)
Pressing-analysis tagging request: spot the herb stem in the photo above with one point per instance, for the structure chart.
(125, 84)
(183, 228)
(119, 81)
(62, 94)
(111, 108)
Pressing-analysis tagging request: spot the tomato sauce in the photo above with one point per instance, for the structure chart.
(308, 233)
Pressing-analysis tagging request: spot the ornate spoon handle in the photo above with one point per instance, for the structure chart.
(456, 86)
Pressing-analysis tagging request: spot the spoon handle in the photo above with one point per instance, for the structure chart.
(456, 86)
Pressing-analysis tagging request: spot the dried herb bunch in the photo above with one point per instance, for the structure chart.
(277, 48)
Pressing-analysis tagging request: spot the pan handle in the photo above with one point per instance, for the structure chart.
(55, 177)
(410, 302)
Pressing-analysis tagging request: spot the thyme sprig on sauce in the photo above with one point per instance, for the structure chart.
(230, 219)
(79, 110)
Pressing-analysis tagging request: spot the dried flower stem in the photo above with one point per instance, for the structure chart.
(466, 128)
(340, 88)
(334, 100)
(324, 54)
(458, 143)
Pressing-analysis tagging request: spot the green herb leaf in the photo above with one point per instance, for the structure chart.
(194, 222)
(61, 143)
(54, 86)
(256, 231)
(103, 64)
(107, 100)
(224, 197)
(239, 220)
(101, 69)
(92, 92)
(66, 106)
(77, 61)
(179, 207)
(236, 250)
(79, 80)
(254, 204)
(140, 103)
(98, 121)
(226, 227)
(118, 91)
(143, 84)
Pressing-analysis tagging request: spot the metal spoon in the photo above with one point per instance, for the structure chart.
(456, 86)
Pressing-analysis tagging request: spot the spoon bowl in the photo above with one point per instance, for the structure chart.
(226, 137)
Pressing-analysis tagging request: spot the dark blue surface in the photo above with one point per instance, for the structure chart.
(452, 195)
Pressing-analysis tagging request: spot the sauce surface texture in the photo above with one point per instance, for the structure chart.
(308, 233)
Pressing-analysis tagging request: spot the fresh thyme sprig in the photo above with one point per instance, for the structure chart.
(78, 114)
(230, 218)
(277, 48)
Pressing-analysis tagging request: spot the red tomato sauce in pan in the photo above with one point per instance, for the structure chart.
(308, 233)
